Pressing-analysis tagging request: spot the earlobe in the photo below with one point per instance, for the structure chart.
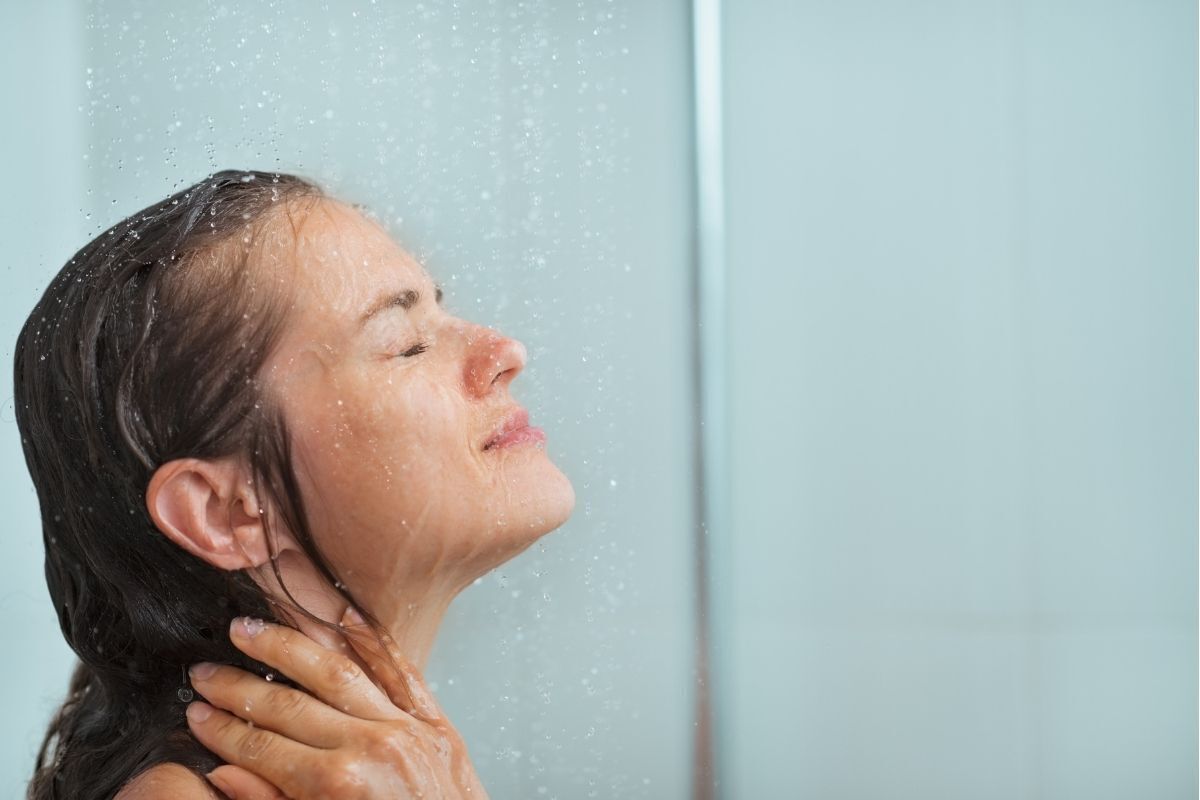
(203, 507)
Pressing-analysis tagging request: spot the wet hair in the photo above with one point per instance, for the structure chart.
(144, 348)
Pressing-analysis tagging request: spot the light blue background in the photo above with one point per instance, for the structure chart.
(961, 264)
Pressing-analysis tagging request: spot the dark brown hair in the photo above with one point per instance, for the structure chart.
(146, 347)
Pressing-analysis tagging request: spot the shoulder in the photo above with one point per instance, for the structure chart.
(168, 780)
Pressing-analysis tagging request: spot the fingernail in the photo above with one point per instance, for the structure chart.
(219, 782)
(198, 712)
(352, 616)
(248, 626)
(203, 670)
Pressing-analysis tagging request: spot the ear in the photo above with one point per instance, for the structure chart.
(209, 509)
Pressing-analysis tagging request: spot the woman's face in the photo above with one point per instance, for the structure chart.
(391, 400)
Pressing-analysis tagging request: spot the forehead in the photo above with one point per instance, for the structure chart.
(343, 259)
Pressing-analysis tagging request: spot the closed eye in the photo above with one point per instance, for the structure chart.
(416, 349)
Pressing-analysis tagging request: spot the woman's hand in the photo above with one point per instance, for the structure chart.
(345, 738)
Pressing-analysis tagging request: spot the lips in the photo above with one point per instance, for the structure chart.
(513, 421)
(512, 428)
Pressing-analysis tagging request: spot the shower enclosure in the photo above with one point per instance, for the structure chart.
(866, 332)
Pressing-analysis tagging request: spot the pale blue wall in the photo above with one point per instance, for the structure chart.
(962, 266)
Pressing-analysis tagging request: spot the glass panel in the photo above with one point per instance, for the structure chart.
(534, 156)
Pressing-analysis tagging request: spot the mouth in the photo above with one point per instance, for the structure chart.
(512, 430)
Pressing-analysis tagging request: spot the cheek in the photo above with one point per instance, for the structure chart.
(399, 464)
(402, 439)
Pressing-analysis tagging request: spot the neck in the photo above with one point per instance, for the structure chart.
(412, 617)
(413, 621)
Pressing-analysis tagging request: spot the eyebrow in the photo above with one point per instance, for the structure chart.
(405, 299)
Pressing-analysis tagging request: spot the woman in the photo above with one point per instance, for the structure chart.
(267, 459)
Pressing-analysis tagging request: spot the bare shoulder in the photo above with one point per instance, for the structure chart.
(164, 781)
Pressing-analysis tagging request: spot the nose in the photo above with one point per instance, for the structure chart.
(493, 359)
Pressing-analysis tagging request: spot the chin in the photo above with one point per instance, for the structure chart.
(564, 502)
(545, 502)
(555, 500)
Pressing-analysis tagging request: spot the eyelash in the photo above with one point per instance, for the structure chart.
(416, 349)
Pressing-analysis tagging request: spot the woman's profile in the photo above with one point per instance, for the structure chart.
(267, 459)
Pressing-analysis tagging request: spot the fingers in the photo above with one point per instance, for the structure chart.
(241, 784)
(331, 676)
(279, 708)
(364, 643)
(267, 753)
(401, 679)
(426, 703)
